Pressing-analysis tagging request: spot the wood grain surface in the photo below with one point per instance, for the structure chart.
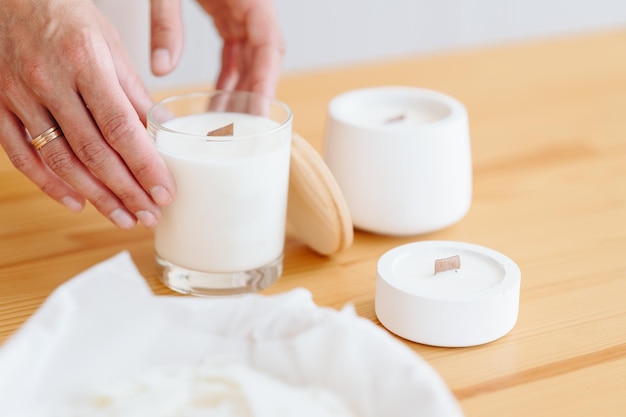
(548, 128)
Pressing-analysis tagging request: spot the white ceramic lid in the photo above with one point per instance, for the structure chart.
(470, 305)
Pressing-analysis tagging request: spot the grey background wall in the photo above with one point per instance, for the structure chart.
(326, 33)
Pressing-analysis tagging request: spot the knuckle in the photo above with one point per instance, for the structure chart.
(36, 73)
(78, 46)
(129, 198)
(48, 187)
(60, 162)
(116, 129)
(163, 24)
(79, 52)
(21, 161)
(92, 154)
(100, 200)
(143, 170)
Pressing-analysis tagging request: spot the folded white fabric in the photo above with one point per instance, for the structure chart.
(103, 331)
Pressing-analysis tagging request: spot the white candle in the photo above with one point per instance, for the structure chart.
(474, 304)
(401, 157)
(230, 208)
(389, 107)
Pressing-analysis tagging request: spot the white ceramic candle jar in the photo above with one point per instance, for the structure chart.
(401, 156)
(224, 232)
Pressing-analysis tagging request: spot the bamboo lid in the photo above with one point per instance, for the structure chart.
(317, 210)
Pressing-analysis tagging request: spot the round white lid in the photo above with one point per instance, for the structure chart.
(445, 293)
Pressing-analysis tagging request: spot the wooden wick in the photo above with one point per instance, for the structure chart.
(446, 264)
(223, 131)
(396, 119)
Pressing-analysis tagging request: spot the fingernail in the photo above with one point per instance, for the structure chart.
(161, 61)
(122, 219)
(160, 195)
(146, 218)
(72, 203)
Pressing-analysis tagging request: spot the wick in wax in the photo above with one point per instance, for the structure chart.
(395, 119)
(223, 131)
(446, 264)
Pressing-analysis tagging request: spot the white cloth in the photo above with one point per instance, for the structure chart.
(105, 325)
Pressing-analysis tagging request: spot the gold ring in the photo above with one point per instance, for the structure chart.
(46, 137)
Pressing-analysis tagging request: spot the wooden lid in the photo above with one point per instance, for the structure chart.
(317, 210)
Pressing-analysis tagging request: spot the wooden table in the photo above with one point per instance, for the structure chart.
(548, 127)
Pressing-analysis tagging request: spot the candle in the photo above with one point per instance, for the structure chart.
(473, 303)
(389, 107)
(401, 157)
(225, 230)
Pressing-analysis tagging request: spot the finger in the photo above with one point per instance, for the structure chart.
(229, 70)
(113, 118)
(240, 102)
(61, 162)
(60, 158)
(131, 82)
(166, 35)
(112, 195)
(88, 149)
(129, 79)
(264, 71)
(267, 49)
(16, 143)
(136, 92)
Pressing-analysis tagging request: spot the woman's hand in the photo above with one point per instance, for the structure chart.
(63, 64)
(253, 44)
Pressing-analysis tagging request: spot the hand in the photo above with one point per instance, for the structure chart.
(62, 63)
(253, 44)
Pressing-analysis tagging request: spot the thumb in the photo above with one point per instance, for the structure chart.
(166, 40)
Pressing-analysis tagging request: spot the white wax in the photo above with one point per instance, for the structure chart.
(230, 208)
(388, 108)
(413, 272)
